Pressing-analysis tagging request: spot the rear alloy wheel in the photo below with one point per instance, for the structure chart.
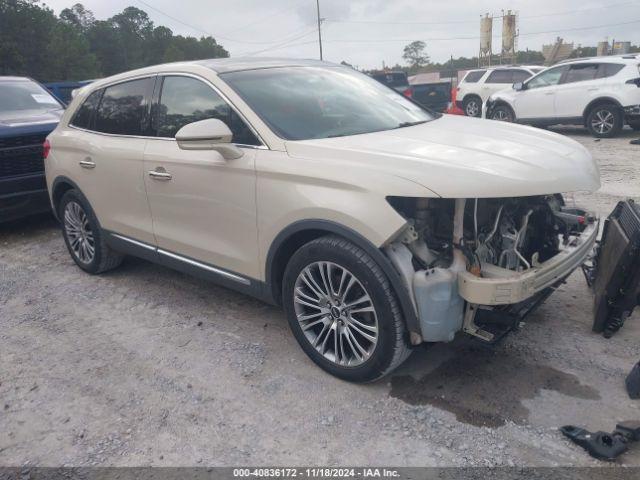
(342, 310)
(502, 113)
(472, 107)
(605, 121)
(83, 236)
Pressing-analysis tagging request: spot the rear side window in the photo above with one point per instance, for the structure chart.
(581, 72)
(186, 100)
(84, 116)
(475, 76)
(610, 69)
(500, 76)
(123, 108)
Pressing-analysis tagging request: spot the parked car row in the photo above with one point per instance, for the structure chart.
(378, 225)
(601, 93)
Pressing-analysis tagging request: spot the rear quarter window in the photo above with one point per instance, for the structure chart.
(83, 117)
(611, 69)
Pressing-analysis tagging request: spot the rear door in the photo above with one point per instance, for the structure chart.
(579, 85)
(497, 80)
(105, 156)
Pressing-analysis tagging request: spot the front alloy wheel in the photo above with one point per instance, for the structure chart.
(336, 314)
(343, 311)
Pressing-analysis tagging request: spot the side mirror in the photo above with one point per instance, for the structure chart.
(518, 86)
(210, 134)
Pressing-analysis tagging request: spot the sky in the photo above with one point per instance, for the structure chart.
(367, 33)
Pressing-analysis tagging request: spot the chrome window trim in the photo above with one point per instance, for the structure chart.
(226, 99)
(168, 139)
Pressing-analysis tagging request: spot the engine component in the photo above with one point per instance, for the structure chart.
(615, 273)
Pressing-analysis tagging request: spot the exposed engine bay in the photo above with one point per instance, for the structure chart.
(486, 239)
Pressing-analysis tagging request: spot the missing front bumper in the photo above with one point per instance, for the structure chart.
(499, 286)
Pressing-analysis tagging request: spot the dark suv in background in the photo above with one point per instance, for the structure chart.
(28, 113)
(396, 80)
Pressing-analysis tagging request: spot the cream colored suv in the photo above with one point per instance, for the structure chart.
(376, 224)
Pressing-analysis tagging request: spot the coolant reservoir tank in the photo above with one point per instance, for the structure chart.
(440, 307)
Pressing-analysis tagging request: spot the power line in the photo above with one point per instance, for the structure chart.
(284, 43)
(198, 29)
(455, 22)
(593, 27)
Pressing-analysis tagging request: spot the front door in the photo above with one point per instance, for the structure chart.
(537, 100)
(203, 206)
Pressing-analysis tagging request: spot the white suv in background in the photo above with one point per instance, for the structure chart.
(478, 85)
(601, 93)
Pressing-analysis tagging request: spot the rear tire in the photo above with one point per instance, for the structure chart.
(337, 299)
(472, 106)
(634, 124)
(605, 120)
(83, 236)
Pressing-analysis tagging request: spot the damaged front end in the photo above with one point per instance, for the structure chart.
(469, 263)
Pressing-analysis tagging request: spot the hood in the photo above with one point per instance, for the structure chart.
(28, 121)
(461, 157)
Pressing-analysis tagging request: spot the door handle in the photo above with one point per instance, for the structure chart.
(87, 163)
(156, 175)
(550, 93)
(594, 89)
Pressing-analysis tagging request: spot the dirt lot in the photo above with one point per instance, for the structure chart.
(146, 366)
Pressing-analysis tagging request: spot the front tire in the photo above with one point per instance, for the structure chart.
(472, 106)
(342, 310)
(605, 121)
(83, 236)
(503, 113)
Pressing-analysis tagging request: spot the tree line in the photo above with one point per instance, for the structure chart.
(75, 45)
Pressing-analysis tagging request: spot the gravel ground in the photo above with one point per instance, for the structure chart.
(146, 366)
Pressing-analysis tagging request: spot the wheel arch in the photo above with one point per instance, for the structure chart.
(59, 187)
(596, 102)
(299, 233)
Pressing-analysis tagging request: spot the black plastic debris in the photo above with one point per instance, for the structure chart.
(633, 382)
(603, 445)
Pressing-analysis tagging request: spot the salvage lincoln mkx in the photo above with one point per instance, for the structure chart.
(376, 224)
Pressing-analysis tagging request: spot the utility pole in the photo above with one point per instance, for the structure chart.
(319, 28)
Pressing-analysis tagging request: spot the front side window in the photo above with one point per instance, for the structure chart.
(25, 97)
(185, 100)
(581, 72)
(547, 78)
(302, 103)
(123, 108)
(475, 76)
(83, 117)
(500, 76)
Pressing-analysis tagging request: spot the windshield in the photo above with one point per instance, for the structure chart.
(22, 96)
(302, 103)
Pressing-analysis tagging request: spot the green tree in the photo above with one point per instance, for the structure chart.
(415, 54)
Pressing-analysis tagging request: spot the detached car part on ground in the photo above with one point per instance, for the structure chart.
(376, 224)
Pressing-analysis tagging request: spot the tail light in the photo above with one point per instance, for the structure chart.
(46, 148)
(408, 92)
